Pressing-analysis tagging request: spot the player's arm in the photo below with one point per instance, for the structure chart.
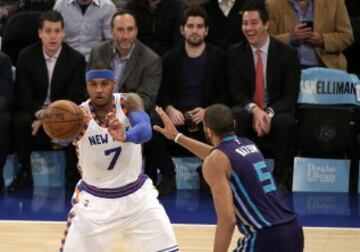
(140, 131)
(169, 130)
(216, 170)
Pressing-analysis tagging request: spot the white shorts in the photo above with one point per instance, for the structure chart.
(94, 222)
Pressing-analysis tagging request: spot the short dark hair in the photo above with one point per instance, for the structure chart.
(220, 119)
(195, 11)
(121, 13)
(98, 65)
(51, 16)
(259, 7)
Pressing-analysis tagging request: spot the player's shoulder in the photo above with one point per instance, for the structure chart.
(216, 166)
(216, 161)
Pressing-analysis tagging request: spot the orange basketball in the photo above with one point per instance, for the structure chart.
(63, 120)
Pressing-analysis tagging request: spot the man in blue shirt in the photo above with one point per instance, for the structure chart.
(87, 22)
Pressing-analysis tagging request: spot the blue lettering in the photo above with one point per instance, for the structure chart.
(92, 140)
(98, 139)
(104, 139)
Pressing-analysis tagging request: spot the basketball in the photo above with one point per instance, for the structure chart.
(63, 120)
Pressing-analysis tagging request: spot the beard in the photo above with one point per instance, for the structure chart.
(195, 41)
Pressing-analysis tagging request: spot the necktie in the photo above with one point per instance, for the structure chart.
(259, 82)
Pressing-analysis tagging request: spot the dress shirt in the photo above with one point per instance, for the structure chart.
(85, 31)
(225, 6)
(50, 65)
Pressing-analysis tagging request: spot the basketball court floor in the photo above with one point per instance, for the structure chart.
(33, 220)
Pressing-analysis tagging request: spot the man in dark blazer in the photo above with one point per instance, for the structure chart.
(194, 77)
(6, 101)
(47, 71)
(272, 117)
(137, 68)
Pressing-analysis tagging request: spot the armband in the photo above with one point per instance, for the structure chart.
(141, 131)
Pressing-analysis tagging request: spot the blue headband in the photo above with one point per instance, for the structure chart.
(100, 74)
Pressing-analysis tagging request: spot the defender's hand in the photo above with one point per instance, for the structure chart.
(169, 130)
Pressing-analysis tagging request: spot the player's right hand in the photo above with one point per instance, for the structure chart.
(35, 126)
(116, 128)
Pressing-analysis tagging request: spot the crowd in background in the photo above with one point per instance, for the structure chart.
(182, 55)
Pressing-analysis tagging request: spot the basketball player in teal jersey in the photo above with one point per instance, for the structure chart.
(242, 186)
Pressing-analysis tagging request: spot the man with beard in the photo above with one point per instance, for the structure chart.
(137, 68)
(194, 77)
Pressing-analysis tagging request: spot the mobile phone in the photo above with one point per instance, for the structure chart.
(309, 24)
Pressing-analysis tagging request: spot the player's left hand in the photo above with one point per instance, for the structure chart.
(116, 128)
(169, 130)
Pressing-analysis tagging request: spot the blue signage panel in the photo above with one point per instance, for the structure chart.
(320, 203)
(321, 175)
(187, 176)
(328, 86)
(47, 168)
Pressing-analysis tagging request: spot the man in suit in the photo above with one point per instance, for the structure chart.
(194, 77)
(137, 68)
(322, 42)
(264, 81)
(47, 71)
(6, 100)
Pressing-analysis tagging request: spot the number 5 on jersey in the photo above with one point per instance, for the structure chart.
(265, 176)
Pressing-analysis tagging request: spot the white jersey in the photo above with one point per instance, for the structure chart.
(103, 161)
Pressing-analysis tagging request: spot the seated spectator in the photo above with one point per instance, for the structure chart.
(47, 71)
(6, 98)
(194, 77)
(120, 4)
(158, 22)
(191, 3)
(224, 22)
(264, 82)
(137, 68)
(10, 7)
(87, 22)
(319, 30)
(352, 52)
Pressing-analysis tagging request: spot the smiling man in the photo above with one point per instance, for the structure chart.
(46, 71)
(264, 80)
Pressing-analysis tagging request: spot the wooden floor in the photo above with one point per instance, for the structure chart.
(45, 236)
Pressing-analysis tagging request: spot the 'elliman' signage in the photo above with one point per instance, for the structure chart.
(328, 86)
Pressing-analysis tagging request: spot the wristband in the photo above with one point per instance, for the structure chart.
(177, 137)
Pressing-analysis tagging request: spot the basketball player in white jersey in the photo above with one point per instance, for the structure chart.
(114, 195)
